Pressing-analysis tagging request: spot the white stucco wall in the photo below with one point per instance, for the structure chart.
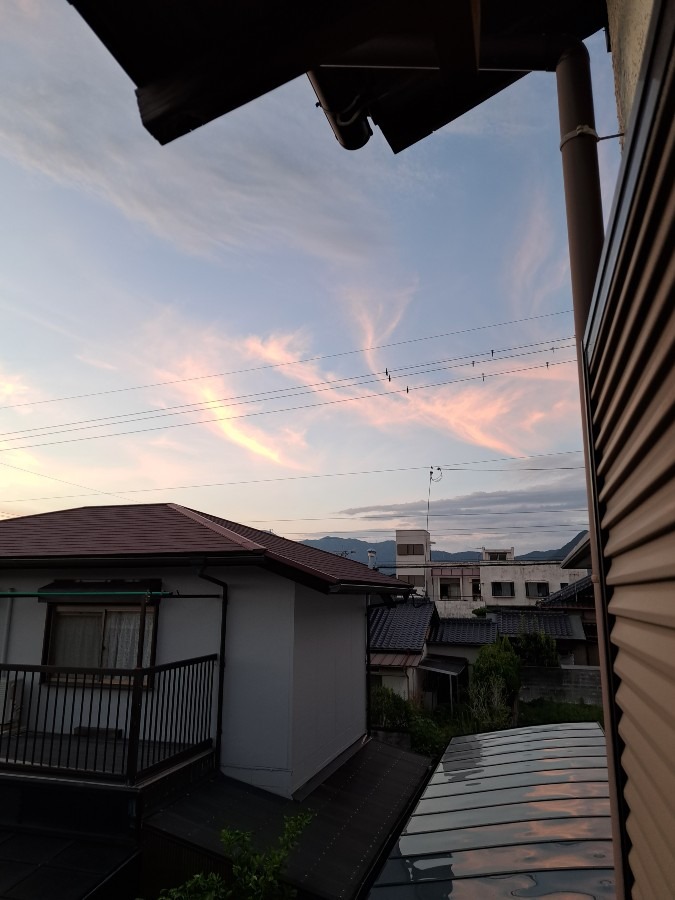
(294, 685)
(329, 679)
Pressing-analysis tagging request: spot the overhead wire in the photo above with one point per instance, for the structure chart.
(267, 366)
(279, 393)
(343, 400)
(279, 478)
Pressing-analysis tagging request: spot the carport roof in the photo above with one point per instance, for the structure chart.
(523, 812)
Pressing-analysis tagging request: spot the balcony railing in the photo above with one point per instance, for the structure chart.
(109, 724)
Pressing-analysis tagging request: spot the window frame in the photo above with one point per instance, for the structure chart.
(73, 603)
(537, 594)
(501, 593)
(409, 549)
(450, 582)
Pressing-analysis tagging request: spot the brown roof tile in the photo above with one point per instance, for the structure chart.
(167, 529)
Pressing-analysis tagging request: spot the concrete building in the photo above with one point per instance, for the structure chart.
(497, 579)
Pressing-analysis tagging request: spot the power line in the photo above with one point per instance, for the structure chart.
(280, 478)
(406, 390)
(266, 396)
(140, 387)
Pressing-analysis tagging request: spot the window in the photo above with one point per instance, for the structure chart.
(475, 588)
(450, 589)
(564, 584)
(98, 637)
(503, 589)
(536, 589)
(410, 549)
(495, 556)
(414, 580)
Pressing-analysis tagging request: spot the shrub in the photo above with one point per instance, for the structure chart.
(536, 649)
(255, 875)
(389, 710)
(499, 661)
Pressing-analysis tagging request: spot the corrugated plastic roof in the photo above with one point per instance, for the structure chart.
(517, 813)
(403, 627)
(167, 529)
(464, 631)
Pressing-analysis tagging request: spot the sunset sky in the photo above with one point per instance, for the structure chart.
(215, 322)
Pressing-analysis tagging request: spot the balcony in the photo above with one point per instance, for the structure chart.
(111, 725)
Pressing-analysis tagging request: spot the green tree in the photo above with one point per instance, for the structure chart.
(536, 649)
(500, 661)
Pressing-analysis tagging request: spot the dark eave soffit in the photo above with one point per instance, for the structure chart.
(409, 67)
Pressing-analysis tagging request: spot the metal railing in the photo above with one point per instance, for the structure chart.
(110, 724)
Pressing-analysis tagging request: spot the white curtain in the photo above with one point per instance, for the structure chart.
(120, 646)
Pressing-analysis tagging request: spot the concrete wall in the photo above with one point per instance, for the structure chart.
(571, 684)
(329, 679)
(628, 24)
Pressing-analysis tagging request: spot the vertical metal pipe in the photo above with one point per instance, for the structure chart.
(581, 176)
(585, 232)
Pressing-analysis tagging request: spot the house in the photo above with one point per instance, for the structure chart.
(412, 69)
(566, 630)
(134, 636)
(398, 636)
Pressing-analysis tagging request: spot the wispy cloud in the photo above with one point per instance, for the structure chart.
(226, 188)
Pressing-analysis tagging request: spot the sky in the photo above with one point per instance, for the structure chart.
(255, 323)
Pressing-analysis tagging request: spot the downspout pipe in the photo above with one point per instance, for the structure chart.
(569, 59)
(221, 657)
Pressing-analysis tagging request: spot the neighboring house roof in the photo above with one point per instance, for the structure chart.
(464, 631)
(516, 813)
(171, 531)
(557, 625)
(395, 660)
(403, 627)
(579, 592)
(354, 813)
(579, 556)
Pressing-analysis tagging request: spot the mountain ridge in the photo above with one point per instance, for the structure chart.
(386, 551)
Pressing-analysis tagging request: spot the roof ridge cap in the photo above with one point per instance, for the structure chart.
(201, 519)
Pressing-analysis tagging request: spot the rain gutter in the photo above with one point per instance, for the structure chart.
(221, 656)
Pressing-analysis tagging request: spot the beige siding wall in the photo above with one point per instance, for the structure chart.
(630, 349)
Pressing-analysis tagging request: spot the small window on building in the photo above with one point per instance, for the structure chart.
(535, 589)
(410, 549)
(503, 589)
(450, 589)
(564, 584)
(98, 637)
(414, 580)
(495, 556)
(475, 588)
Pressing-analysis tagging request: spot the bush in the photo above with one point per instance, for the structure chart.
(255, 876)
(389, 710)
(551, 712)
(498, 661)
(536, 649)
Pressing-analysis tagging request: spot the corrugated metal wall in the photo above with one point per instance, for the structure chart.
(629, 354)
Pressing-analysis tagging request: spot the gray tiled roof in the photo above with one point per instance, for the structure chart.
(402, 627)
(578, 592)
(556, 625)
(464, 631)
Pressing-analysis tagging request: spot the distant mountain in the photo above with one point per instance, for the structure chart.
(554, 555)
(386, 551)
